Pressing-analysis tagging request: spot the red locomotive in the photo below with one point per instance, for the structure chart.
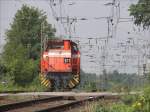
(60, 64)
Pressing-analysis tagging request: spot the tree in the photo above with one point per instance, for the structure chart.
(2, 69)
(148, 75)
(141, 13)
(22, 50)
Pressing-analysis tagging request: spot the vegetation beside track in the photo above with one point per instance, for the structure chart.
(138, 103)
(32, 87)
(19, 61)
(112, 81)
(116, 82)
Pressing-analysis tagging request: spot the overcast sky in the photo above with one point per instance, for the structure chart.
(117, 55)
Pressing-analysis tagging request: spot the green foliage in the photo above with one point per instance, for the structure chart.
(90, 86)
(87, 81)
(22, 51)
(7, 84)
(129, 99)
(129, 103)
(141, 13)
(2, 69)
(140, 103)
(148, 77)
(112, 81)
(118, 107)
(24, 72)
(121, 82)
(36, 85)
(146, 102)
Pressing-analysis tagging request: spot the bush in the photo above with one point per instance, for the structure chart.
(146, 100)
(130, 103)
(7, 84)
(142, 104)
(36, 85)
(129, 99)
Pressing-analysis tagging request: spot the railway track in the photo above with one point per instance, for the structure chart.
(13, 92)
(25, 104)
(51, 104)
(71, 105)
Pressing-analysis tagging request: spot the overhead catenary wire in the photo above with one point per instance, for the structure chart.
(113, 21)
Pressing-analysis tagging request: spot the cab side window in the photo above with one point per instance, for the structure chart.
(74, 48)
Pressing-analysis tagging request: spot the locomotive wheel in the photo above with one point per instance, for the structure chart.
(44, 81)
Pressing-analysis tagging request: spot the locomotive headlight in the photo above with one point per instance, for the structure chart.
(45, 57)
(66, 60)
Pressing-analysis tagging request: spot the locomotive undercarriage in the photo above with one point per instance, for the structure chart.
(60, 81)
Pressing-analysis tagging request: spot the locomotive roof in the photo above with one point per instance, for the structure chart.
(52, 43)
(56, 40)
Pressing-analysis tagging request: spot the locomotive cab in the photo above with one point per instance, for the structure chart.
(75, 58)
(58, 56)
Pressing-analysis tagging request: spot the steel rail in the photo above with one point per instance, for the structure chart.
(63, 107)
(17, 105)
(13, 92)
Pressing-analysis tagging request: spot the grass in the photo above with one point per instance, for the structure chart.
(33, 88)
(114, 107)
